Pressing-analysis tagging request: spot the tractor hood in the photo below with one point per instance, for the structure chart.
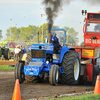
(49, 48)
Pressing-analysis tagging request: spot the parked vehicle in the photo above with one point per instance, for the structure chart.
(4, 51)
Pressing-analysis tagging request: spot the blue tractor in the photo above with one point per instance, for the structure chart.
(63, 65)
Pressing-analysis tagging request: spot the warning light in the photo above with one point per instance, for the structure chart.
(92, 37)
(84, 12)
(95, 37)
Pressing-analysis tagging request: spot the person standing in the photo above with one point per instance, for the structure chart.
(16, 52)
(23, 50)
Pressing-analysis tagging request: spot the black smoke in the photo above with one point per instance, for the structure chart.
(52, 8)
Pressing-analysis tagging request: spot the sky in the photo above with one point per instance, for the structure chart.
(28, 12)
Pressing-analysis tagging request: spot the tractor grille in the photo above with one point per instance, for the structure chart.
(38, 53)
(35, 64)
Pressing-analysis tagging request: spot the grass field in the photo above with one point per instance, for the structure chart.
(6, 68)
(82, 97)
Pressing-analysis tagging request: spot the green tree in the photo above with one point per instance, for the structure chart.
(34, 34)
(71, 36)
(25, 34)
(15, 33)
(44, 33)
(28, 34)
(8, 34)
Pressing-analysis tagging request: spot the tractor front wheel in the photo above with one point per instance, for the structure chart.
(19, 72)
(54, 75)
(16, 71)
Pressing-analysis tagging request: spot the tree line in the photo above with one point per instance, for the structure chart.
(34, 34)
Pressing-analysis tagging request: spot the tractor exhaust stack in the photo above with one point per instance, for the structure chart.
(49, 36)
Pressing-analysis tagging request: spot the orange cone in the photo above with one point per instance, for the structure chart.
(97, 85)
(16, 93)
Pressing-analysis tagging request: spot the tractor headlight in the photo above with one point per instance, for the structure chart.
(47, 62)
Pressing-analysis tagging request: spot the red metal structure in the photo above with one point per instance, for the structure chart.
(92, 30)
(89, 54)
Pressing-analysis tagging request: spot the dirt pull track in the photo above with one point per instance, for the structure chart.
(35, 90)
(7, 62)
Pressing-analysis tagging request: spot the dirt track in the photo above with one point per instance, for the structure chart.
(35, 90)
(7, 62)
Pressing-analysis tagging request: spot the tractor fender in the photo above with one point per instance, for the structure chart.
(64, 49)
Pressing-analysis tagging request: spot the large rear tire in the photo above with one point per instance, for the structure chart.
(29, 78)
(71, 65)
(54, 75)
(7, 54)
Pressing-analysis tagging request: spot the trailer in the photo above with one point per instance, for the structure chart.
(90, 53)
(70, 65)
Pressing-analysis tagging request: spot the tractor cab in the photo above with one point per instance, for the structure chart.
(46, 52)
(61, 36)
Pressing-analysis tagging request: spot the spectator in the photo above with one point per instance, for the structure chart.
(16, 53)
(23, 50)
(21, 47)
(29, 49)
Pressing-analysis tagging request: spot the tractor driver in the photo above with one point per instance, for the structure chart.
(54, 41)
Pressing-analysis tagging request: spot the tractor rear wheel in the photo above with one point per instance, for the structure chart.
(7, 54)
(71, 65)
(29, 78)
(54, 75)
